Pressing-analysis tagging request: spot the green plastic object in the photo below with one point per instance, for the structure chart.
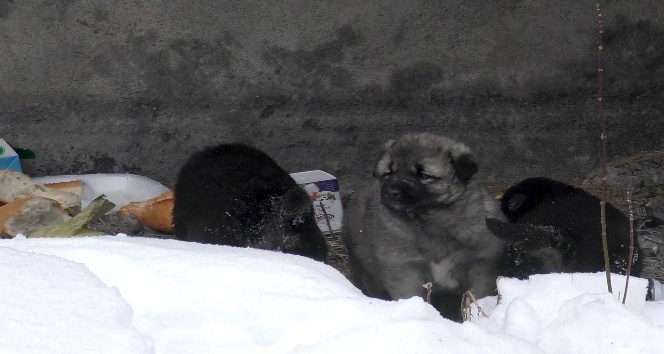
(23, 153)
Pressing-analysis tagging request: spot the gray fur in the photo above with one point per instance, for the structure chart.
(423, 220)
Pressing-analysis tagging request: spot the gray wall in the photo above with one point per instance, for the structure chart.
(136, 86)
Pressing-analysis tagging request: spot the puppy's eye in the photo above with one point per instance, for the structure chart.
(424, 176)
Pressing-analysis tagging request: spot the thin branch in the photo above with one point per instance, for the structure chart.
(466, 300)
(653, 240)
(603, 138)
(327, 217)
(631, 242)
(428, 286)
(337, 250)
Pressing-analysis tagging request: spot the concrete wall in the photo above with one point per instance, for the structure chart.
(136, 86)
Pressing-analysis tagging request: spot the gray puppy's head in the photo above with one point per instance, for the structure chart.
(419, 172)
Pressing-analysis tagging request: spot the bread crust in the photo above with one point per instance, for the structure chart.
(75, 186)
(15, 185)
(156, 213)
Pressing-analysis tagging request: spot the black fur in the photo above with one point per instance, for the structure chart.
(464, 167)
(236, 195)
(559, 230)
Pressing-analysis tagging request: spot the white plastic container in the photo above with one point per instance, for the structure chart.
(119, 188)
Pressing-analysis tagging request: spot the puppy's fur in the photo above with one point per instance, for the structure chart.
(423, 220)
(566, 221)
(236, 195)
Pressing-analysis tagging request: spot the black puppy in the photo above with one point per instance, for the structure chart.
(554, 227)
(236, 195)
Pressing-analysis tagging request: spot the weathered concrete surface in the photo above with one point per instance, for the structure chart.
(136, 86)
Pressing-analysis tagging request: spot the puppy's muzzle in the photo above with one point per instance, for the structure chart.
(399, 194)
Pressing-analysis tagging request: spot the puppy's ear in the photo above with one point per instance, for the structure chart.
(388, 144)
(464, 166)
(382, 166)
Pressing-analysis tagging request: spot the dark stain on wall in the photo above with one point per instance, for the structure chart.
(634, 58)
(144, 107)
(400, 32)
(97, 163)
(185, 71)
(6, 7)
(198, 63)
(413, 83)
(311, 124)
(317, 72)
(96, 23)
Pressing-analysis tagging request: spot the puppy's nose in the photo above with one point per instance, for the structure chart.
(397, 191)
(394, 192)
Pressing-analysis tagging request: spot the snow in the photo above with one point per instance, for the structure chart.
(573, 313)
(119, 294)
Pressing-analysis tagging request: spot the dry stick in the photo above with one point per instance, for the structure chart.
(653, 240)
(466, 312)
(603, 137)
(631, 242)
(336, 251)
(327, 218)
(466, 300)
(428, 286)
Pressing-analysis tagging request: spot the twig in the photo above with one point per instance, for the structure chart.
(338, 249)
(603, 138)
(327, 217)
(428, 286)
(466, 301)
(631, 242)
(653, 240)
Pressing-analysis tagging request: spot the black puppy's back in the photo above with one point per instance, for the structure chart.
(574, 215)
(236, 195)
(531, 193)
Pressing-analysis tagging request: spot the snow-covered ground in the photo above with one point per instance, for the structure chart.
(119, 294)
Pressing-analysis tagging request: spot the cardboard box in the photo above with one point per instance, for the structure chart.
(323, 189)
(8, 157)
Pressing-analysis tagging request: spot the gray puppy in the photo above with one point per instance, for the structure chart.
(424, 220)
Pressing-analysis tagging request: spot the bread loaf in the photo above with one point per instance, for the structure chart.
(26, 215)
(156, 213)
(75, 187)
(15, 185)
